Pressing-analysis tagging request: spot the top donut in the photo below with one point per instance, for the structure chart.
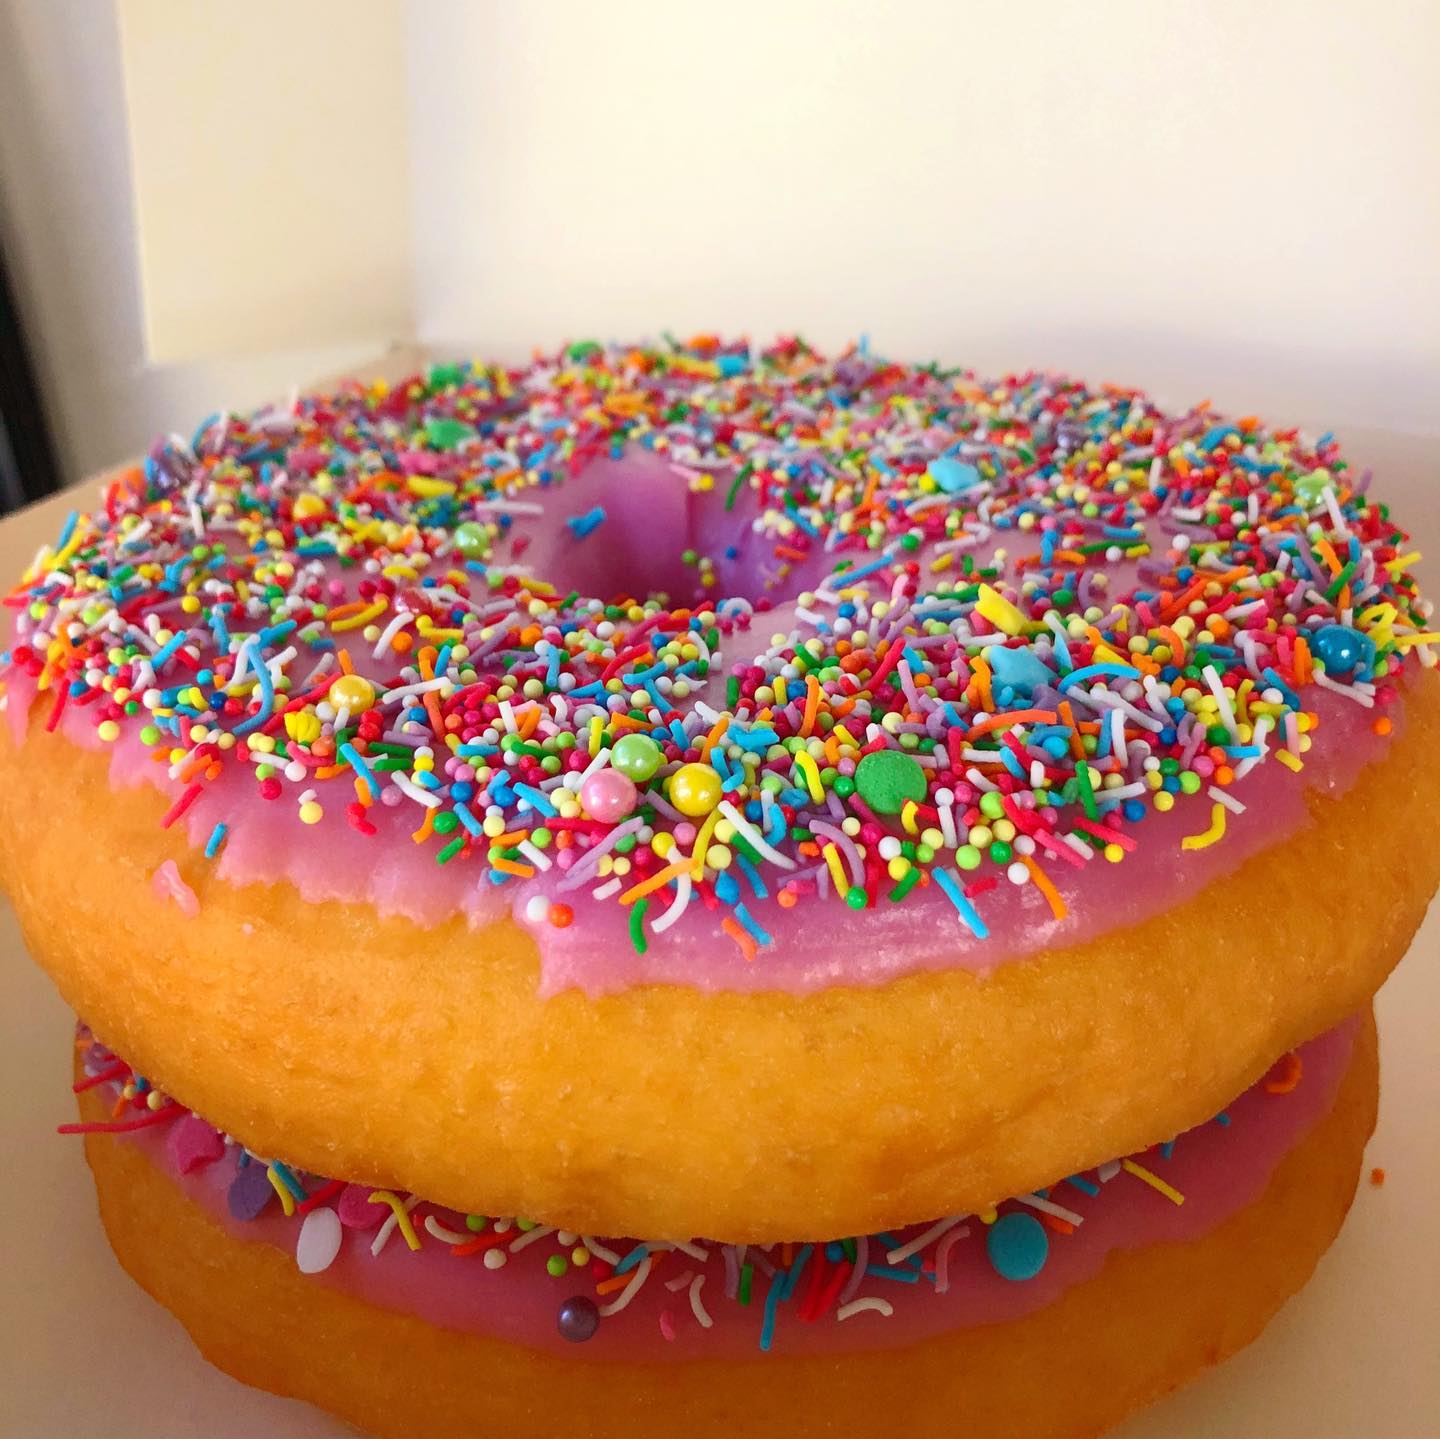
(676, 644)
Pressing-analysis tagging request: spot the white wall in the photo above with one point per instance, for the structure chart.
(1223, 199)
(67, 223)
(1230, 199)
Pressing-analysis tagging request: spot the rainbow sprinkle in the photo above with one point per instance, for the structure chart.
(1042, 612)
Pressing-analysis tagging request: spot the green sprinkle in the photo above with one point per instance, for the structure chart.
(637, 925)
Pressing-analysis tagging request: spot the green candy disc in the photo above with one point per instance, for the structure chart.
(887, 778)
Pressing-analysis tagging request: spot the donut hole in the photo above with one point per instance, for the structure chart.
(635, 527)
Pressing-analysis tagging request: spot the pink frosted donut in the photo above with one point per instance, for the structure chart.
(774, 805)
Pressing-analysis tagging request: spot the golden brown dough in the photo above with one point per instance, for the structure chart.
(936, 1094)
(1072, 1369)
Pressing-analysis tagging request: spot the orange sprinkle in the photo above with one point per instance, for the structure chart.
(512, 866)
(1383, 725)
(711, 739)
(1286, 1075)
(1303, 671)
(1377, 1177)
(812, 706)
(1042, 882)
(746, 945)
(1000, 721)
(656, 881)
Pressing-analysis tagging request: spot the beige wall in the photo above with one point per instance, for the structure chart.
(1222, 199)
(67, 223)
(1228, 199)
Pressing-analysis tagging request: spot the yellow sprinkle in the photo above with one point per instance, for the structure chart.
(702, 843)
(805, 763)
(1211, 835)
(1289, 760)
(287, 1200)
(942, 563)
(1153, 1180)
(596, 730)
(837, 870)
(1403, 562)
(999, 611)
(1430, 637)
(430, 489)
(908, 821)
(354, 622)
(384, 1196)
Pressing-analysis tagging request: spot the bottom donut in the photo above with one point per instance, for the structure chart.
(1176, 1292)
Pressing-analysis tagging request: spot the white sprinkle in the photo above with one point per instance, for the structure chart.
(420, 796)
(1045, 1206)
(940, 1227)
(319, 1241)
(869, 1305)
(696, 1306)
(530, 1237)
(444, 1233)
(637, 1281)
(382, 1235)
(1220, 796)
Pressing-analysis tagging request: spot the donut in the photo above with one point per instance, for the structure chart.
(957, 1328)
(761, 802)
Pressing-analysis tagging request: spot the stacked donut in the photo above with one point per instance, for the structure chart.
(709, 885)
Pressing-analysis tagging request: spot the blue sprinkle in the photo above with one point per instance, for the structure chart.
(582, 525)
(537, 798)
(462, 813)
(217, 838)
(1017, 1245)
(849, 577)
(288, 1180)
(1084, 1185)
(772, 1302)
(963, 907)
(953, 476)
(632, 1259)
(351, 757)
(900, 1276)
(751, 925)
(1124, 672)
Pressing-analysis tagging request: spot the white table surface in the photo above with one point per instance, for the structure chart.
(85, 1352)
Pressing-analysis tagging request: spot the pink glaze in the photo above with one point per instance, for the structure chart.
(1218, 1168)
(653, 516)
(816, 942)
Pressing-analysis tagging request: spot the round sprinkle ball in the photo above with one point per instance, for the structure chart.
(352, 692)
(1017, 1245)
(695, 789)
(887, 778)
(577, 1319)
(1344, 650)
(636, 756)
(608, 795)
(471, 540)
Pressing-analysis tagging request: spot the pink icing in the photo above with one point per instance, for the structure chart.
(652, 518)
(1218, 1168)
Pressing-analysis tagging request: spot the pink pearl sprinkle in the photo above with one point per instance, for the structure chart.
(608, 796)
